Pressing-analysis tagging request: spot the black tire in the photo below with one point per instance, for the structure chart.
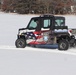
(63, 45)
(75, 44)
(20, 43)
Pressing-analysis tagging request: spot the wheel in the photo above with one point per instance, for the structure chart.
(20, 43)
(74, 45)
(63, 45)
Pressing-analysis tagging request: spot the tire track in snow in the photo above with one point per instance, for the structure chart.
(71, 51)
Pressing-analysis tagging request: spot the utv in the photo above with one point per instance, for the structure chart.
(45, 31)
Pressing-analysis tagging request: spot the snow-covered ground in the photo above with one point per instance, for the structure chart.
(32, 61)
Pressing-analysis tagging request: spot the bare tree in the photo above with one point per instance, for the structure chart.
(37, 6)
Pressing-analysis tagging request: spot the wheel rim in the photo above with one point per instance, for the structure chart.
(20, 43)
(62, 45)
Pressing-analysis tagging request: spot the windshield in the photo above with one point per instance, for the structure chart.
(33, 24)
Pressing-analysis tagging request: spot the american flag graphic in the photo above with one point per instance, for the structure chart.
(30, 35)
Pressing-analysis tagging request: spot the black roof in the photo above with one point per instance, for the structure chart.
(49, 15)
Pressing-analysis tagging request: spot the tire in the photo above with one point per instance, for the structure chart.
(63, 45)
(20, 43)
(74, 44)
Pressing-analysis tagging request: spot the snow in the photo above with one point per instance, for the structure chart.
(32, 61)
(71, 21)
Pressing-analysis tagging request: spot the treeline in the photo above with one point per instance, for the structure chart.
(37, 6)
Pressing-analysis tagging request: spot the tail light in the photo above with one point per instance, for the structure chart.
(70, 31)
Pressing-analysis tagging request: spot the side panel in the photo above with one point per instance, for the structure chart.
(40, 37)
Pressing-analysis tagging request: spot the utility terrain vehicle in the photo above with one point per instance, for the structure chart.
(45, 31)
